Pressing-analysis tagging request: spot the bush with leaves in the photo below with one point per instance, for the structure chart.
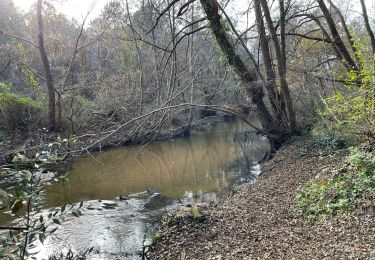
(327, 134)
(26, 200)
(350, 113)
(340, 191)
(17, 111)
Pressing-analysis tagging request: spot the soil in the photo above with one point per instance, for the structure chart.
(259, 221)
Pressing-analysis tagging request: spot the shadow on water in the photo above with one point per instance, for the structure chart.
(141, 182)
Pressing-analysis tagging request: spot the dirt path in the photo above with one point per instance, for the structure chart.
(259, 221)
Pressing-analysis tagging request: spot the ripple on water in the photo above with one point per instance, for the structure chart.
(111, 231)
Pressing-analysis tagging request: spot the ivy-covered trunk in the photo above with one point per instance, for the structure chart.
(253, 88)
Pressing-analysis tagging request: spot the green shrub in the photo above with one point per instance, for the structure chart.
(326, 134)
(349, 114)
(25, 200)
(16, 111)
(342, 190)
(355, 107)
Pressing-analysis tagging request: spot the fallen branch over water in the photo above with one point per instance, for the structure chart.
(213, 107)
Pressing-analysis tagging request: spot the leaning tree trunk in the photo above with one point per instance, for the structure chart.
(368, 27)
(47, 70)
(336, 39)
(248, 78)
(347, 33)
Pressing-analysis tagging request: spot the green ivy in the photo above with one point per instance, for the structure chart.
(344, 190)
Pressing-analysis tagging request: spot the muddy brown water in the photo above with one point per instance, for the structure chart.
(154, 178)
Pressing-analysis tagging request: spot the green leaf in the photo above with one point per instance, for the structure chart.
(42, 237)
(56, 221)
(31, 237)
(53, 230)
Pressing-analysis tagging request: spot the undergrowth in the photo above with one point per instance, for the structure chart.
(347, 120)
(342, 190)
(31, 174)
(325, 134)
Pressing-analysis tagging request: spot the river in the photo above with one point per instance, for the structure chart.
(126, 189)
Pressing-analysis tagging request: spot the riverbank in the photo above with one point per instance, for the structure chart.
(259, 221)
(33, 142)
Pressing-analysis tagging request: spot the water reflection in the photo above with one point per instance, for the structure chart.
(174, 172)
(209, 162)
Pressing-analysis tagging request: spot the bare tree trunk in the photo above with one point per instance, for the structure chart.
(277, 104)
(62, 89)
(156, 69)
(191, 70)
(367, 24)
(47, 69)
(139, 60)
(336, 39)
(282, 34)
(59, 109)
(248, 78)
(281, 68)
